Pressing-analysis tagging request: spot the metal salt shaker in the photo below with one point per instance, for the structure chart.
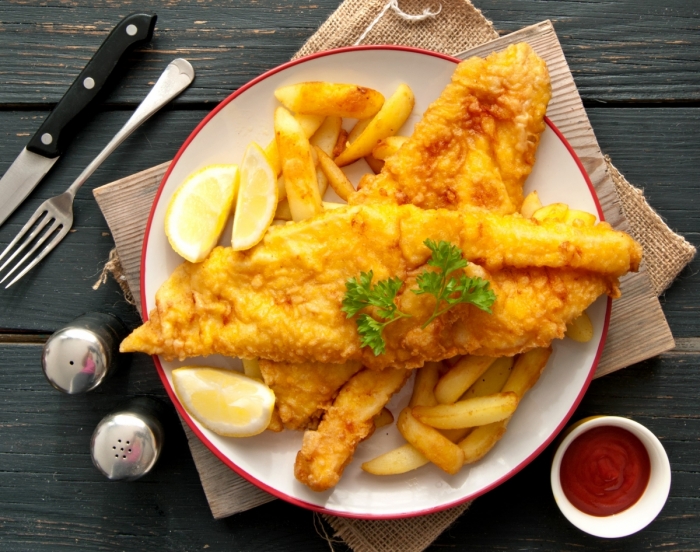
(127, 442)
(80, 356)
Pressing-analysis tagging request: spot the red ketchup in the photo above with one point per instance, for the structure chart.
(605, 471)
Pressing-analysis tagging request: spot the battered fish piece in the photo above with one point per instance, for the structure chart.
(325, 453)
(281, 300)
(304, 391)
(475, 145)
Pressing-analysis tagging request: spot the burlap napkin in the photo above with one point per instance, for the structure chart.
(450, 26)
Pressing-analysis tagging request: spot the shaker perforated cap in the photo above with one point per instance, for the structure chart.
(127, 442)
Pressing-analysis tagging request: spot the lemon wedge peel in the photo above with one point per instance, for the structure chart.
(257, 199)
(199, 209)
(225, 401)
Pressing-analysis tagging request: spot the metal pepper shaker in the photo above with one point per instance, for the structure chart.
(81, 355)
(127, 442)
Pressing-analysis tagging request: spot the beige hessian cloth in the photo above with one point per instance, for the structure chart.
(458, 26)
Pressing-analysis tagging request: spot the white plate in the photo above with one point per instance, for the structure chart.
(268, 459)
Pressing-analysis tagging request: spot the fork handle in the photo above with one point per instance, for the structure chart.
(177, 76)
(61, 123)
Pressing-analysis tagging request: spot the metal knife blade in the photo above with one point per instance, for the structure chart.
(46, 146)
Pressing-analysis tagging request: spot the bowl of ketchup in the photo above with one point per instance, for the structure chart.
(610, 476)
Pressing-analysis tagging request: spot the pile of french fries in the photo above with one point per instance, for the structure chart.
(458, 412)
(311, 145)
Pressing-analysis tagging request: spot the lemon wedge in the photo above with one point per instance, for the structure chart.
(198, 210)
(257, 199)
(225, 401)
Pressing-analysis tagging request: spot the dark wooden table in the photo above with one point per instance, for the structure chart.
(637, 66)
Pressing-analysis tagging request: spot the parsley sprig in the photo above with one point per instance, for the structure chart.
(450, 290)
(447, 289)
(360, 294)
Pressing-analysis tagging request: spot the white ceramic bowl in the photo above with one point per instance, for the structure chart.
(640, 514)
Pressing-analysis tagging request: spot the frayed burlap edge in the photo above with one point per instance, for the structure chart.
(458, 27)
(394, 535)
(666, 253)
(113, 266)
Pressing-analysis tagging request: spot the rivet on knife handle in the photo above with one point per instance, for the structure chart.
(51, 138)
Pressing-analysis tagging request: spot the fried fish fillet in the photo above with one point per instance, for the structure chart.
(325, 452)
(475, 145)
(304, 391)
(281, 300)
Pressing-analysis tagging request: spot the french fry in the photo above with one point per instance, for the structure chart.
(388, 146)
(481, 440)
(283, 212)
(297, 166)
(431, 443)
(341, 143)
(336, 178)
(309, 124)
(530, 204)
(583, 218)
(375, 164)
(387, 122)
(580, 329)
(357, 129)
(400, 460)
(330, 99)
(424, 385)
(251, 368)
(469, 412)
(281, 188)
(527, 370)
(327, 134)
(553, 212)
(456, 435)
(384, 418)
(333, 205)
(461, 377)
(493, 380)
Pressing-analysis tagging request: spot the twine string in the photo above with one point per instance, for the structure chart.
(394, 5)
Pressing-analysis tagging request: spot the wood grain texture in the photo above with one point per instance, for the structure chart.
(51, 497)
(627, 50)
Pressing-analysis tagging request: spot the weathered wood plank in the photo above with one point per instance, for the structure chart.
(51, 495)
(655, 148)
(639, 50)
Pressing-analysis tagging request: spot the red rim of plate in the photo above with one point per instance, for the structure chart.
(212, 447)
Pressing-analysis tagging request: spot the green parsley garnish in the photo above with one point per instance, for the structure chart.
(360, 294)
(450, 290)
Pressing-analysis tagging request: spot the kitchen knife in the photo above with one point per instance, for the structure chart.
(45, 147)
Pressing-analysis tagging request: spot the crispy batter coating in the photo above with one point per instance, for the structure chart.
(304, 391)
(281, 300)
(325, 453)
(475, 145)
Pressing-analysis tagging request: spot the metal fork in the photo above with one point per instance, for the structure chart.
(56, 213)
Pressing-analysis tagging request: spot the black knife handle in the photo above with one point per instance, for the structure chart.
(53, 135)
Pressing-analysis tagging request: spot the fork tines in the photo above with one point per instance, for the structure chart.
(42, 218)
